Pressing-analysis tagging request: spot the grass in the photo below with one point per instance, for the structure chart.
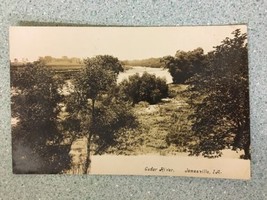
(157, 121)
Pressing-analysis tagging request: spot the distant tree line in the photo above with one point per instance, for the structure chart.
(150, 62)
(59, 61)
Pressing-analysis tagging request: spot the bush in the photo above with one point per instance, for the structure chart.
(36, 138)
(143, 88)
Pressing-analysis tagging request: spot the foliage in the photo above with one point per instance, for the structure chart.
(144, 88)
(180, 132)
(63, 61)
(150, 62)
(113, 118)
(221, 118)
(93, 108)
(184, 64)
(35, 104)
(106, 62)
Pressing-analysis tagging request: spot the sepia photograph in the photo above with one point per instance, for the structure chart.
(157, 101)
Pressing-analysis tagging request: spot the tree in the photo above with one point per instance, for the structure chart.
(106, 62)
(184, 64)
(221, 118)
(35, 102)
(113, 117)
(94, 111)
(147, 87)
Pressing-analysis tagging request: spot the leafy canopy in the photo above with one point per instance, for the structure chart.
(184, 64)
(94, 108)
(35, 102)
(221, 92)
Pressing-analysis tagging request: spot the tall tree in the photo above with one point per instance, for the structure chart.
(94, 111)
(35, 100)
(221, 118)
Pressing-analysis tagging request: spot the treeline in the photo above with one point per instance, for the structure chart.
(64, 60)
(150, 62)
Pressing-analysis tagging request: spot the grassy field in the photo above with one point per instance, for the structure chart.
(158, 120)
(155, 123)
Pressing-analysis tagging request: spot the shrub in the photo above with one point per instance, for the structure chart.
(147, 87)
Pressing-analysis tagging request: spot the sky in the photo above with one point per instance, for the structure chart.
(121, 42)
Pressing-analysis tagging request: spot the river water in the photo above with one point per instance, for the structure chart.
(159, 72)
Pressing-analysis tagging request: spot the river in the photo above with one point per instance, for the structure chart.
(159, 72)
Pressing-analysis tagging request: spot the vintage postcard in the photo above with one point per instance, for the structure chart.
(164, 101)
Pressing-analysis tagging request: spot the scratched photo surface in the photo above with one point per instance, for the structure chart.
(165, 101)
